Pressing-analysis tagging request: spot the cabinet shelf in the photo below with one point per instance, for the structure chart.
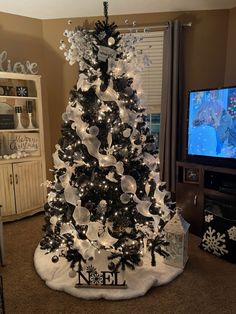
(211, 192)
(17, 97)
(16, 160)
(19, 130)
(216, 183)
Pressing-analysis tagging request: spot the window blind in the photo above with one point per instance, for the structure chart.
(152, 46)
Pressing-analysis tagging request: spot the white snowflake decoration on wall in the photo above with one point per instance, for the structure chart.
(232, 233)
(214, 242)
(209, 218)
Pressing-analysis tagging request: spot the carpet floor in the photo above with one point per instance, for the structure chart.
(208, 285)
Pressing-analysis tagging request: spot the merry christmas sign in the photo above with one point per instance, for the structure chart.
(22, 142)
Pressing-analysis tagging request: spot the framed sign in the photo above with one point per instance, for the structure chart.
(191, 175)
(6, 116)
(21, 142)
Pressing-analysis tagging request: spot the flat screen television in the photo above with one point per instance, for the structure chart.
(211, 132)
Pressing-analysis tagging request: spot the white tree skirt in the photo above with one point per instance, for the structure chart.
(56, 276)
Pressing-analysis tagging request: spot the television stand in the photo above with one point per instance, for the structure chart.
(200, 187)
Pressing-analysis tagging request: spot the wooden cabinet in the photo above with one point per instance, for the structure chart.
(29, 192)
(201, 187)
(21, 189)
(190, 199)
(22, 157)
(7, 198)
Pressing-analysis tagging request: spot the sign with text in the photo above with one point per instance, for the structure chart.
(7, 66)
(91, 278)
(22, 142)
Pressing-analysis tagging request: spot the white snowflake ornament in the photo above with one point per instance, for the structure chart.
(232, 233)
(214, 242)
(209, 218)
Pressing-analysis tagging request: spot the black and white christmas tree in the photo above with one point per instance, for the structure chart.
(106, 205)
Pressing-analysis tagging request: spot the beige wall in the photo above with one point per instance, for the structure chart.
(208, 55)
(22, 38)
(230, 73)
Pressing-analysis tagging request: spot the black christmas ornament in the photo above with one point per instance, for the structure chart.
(111, 266)
(55, 259)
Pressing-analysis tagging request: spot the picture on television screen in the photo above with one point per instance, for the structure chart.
(212, 123)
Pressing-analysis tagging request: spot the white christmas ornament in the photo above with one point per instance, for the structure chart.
(72, 273)
(119, 167)
(126, 132)
(103, 203)
(106, 239)
(110, 177)
(111, 41)
(128, 184)
(53, 220)
(81, 215)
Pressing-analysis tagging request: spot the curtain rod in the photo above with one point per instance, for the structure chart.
(150, 27)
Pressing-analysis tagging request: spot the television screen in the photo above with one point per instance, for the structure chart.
(212, 123)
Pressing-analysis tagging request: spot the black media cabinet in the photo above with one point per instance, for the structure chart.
(200, 187)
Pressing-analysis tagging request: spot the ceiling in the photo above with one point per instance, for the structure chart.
(52, 9)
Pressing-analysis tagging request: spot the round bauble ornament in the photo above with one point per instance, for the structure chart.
(55, 259)
(82, 180)
(43, 242)
(111, 41)
(94, 130)
(72, 273)
(126, 132)
(111, 266)
(103, 203)
(125, 198)
(128, 184)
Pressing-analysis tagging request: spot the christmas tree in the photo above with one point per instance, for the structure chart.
(106, 195)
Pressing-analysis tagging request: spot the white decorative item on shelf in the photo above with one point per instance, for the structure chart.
(177, 236)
